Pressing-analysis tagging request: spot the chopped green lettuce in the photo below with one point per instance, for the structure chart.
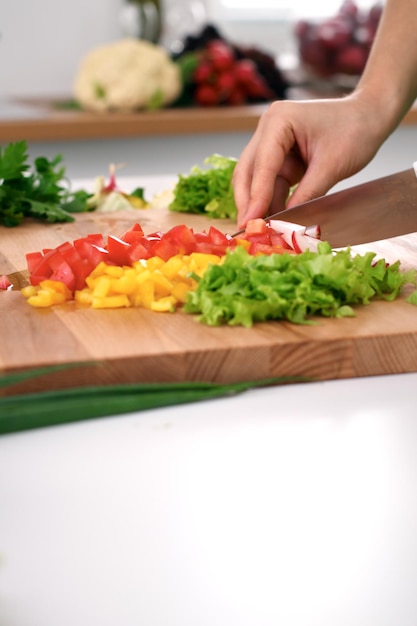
(207, 191)
(245, 289)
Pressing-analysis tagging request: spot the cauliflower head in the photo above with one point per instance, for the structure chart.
(128, 75)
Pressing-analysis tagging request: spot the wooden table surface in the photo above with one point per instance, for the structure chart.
(139, 345)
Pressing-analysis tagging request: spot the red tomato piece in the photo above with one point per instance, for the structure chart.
(5, 282)
(262, 238)
(64, 274)
(205, 247)
(260, 248)
(165, 249)
(133, 235)
(81, 269)
(256, 226)
(118, 250)
(32, 260)
(278, 240)
(156, 236)
(97, 239)
(217, 237)
(139, 250)
(69, 253)
(281, 250)
(61, 270)
(202, 237)
(181, 236)
(91, 252)
(42, 269)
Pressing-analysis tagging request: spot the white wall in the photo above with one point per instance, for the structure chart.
(43, 41)
(41, 44)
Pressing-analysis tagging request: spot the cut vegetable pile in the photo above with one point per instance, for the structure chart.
(39, 192)
(272, 271)
(207, 191)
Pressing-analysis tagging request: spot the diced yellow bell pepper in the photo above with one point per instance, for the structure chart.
(147, 293)
(163, 286)
(29, 291)
(110, 302)
(125, 284)
(152, 283)
(116, 271)
(101, 286)
(173, 266)
(179, 291)
(165, 305)
(83, 296)
(47, 293)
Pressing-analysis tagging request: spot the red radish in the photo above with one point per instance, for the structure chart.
(313, 231)
(206, 95)
(111, 185)
(225, 84)
(301, 242)
(221, 55)
(245, 71)
(286, 229)
(203, 72)
(296, 235)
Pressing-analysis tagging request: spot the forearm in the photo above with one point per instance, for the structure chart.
(389, 81)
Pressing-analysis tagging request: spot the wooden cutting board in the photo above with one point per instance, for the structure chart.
(131, 345)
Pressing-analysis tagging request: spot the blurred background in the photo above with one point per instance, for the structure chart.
(43, 42)
(301, 49)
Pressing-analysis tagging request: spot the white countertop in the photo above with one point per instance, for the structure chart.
(292, 506)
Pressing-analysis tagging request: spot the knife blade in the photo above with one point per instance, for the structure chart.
(379, 209)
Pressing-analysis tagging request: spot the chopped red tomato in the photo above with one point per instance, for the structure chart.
(71, 263)
(217, 237)
(5, 282)
(182, 237)
(165, 249)
(257, 226)
(139, 250)
(278, 240)
(133, 235)
(118, 250)
(90, 251)
(32, 261)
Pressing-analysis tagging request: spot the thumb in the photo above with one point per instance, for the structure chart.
(315, 183)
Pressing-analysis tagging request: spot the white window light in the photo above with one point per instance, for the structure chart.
(277, 9)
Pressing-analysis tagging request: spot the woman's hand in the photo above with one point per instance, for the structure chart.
(312, 143)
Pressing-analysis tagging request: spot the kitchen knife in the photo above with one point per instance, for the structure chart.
(380, 209)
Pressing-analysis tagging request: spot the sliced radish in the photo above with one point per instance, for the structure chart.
(286, 229)
(299, 237)
(313, 231)
(301, 242)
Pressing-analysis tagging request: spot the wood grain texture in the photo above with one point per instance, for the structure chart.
(131, 345)
(51, 124)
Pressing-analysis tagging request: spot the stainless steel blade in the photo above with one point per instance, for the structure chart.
(380, 209)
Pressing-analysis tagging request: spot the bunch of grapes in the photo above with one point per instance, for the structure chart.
(341, 43)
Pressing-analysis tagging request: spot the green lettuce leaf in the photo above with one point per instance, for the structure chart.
(246, 289)
(207, 191)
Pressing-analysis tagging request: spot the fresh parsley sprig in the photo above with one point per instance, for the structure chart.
(40, 192)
